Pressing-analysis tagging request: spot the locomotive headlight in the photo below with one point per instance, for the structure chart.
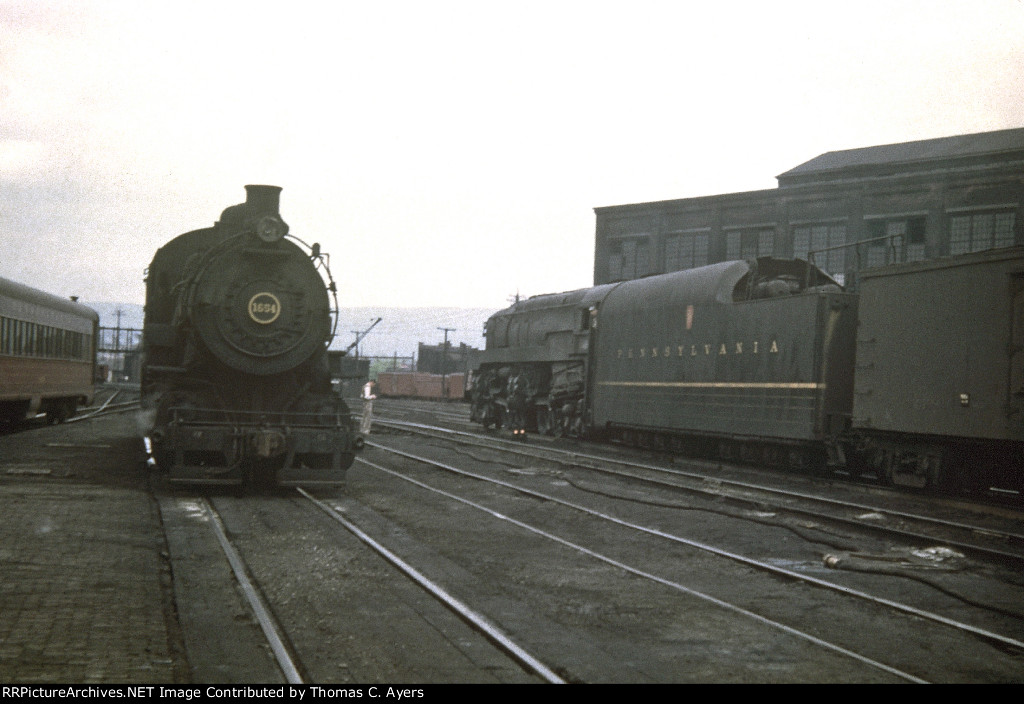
(271, 228)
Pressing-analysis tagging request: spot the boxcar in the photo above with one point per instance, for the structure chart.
(47, 354)
(940, 366)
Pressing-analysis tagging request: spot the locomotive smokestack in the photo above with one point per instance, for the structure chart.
(259, 202)
(263, 199)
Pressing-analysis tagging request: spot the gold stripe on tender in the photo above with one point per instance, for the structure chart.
(712, 385)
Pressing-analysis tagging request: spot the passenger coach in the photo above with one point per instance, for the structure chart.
(47, 354)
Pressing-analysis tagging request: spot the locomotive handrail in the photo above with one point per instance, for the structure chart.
(213, 417)
(323, 258)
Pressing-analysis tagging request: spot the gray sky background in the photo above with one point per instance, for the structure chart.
(451, 153)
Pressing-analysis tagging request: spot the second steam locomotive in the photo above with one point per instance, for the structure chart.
(918, 377)
(235, 373)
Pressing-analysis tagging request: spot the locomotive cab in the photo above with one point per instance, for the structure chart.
(533, 375)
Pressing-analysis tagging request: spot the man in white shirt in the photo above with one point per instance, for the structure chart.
(368, 397)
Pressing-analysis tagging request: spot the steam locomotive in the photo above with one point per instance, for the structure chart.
(918, 377)
(235, 373)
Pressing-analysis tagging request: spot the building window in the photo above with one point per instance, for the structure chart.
(977, 231)
(905, 242)
(686, 250)
(818, 239)
(916, 229)
(749, 244)
(629, 259)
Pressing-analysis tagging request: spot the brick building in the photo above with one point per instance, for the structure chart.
(845, 210)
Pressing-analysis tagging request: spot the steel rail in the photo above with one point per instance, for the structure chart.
(495, 634)
(105, 411)
(259, 609)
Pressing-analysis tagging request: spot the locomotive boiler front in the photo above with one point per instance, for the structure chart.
(258, 306)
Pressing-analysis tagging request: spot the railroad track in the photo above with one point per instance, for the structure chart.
(307, 622)
(271, 628)
(104, 410)
(1001, 541)
(448, 412)
(477, 619)
(981, 623)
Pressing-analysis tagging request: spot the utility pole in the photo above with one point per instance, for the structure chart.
(117, 346)
(444, 364)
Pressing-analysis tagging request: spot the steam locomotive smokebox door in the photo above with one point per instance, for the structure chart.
(260, 310)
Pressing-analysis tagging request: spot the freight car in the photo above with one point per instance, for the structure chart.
(235, 370)
(939, 383)
(47, 354)
(917, 377)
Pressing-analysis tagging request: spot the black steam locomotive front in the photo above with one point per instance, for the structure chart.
(235, 374)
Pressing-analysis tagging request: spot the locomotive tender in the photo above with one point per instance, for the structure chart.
(918, 377)
(235, 371)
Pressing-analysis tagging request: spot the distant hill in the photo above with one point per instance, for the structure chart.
(399, 332)
(402, 329)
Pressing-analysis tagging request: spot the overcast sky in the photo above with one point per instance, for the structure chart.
(450, 153)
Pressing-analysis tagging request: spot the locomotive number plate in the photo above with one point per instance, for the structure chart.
(264, 308)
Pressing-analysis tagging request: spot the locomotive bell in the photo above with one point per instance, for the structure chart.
(271, 228)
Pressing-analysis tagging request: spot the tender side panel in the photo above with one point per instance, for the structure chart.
(697, 364)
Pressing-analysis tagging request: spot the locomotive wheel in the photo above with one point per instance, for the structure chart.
(493, 416)
(544, 426)
(489, 419)
(886, 460)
